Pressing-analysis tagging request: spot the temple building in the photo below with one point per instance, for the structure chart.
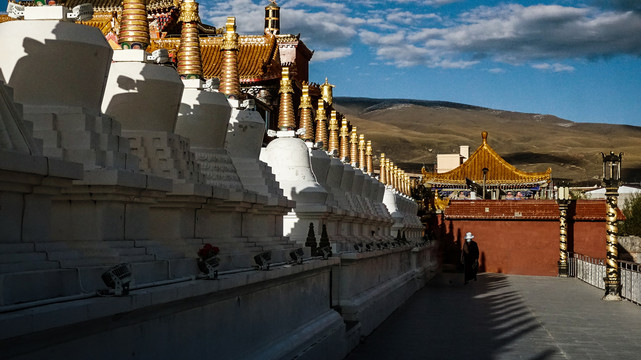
(486, 175)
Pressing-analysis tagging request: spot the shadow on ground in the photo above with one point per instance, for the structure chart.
(485, 319)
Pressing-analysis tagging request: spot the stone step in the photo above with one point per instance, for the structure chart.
(13, 258)
(18, 247)
(30, 266)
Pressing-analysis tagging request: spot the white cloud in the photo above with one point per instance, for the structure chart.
(516, 34)
(320, 55)
(555, 67)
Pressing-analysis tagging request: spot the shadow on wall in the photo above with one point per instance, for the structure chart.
(448, 320)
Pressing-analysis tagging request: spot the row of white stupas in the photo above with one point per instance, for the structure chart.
(110, 156)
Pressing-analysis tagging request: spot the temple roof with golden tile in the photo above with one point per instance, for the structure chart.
(499, 171)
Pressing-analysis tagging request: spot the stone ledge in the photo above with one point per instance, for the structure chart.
(117, 177)
(47, 317)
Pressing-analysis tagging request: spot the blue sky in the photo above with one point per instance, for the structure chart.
(579, 60)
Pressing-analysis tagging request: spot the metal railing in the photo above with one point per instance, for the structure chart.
(592, 271)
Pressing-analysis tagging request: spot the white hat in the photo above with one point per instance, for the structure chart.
(469, 235)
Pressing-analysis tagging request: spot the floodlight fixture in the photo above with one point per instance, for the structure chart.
(297, 255)
(82, 12)
(159, 56)
(118, 278)
(211, 267)
(263, 259)
(15, 11)
(325, 252)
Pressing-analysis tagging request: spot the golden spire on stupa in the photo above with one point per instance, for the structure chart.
(333, 133)
(353, 149)
(306, 109)
(383, 174)
(286, 119)
(368, 155)
(388, 171)
(321, 127)
(361, 152)
(344, 135)
(189, 61)
(326, 92)
(134, 27)
(230, 80)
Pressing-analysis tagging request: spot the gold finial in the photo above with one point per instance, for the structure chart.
(484, 136)
(353, 150)
(189, 61)
(383, 163)
(306, 114)
(388, 171)
(333, 133)
(230, 80)
(368, 155)
(272, 18)
(361, 152)
(321, 127)
(134, 27)
(344, 135)
(286, 120)
(326, 91)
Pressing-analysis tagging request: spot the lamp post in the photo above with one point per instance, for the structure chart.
(563, 199)
(611, 179)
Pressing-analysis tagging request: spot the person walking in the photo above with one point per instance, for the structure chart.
(470, 257)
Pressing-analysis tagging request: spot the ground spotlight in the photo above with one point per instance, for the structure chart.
(118, 278)
(297, 256)
(325, 252)
(263, 259)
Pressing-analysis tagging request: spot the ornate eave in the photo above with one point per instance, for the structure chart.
(499, 172)
(257, 56)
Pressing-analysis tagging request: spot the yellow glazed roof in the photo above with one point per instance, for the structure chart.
(499, 171)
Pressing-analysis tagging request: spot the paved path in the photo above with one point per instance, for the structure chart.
(507, 317)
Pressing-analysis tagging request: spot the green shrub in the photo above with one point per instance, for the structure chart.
(632, 211)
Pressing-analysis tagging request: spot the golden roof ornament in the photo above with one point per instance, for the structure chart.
(134, 27)
(189, 60)
(326, 92)
(332, 147)
(361, 152)
(272, 18)
(321, 126)
(353, 150)
(286, 119)
(344, 136)
(368, 155)
(383, 174)
(306, 114)
(230, 79)
(388, 171)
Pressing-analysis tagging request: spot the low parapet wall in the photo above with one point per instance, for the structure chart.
(287, 312)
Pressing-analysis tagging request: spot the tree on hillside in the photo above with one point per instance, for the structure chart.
(632, 211)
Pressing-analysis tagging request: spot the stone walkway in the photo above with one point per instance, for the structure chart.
(507, 317)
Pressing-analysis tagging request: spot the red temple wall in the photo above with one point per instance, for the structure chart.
(522, 237)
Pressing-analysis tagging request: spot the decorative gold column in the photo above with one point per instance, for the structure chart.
(612, 277)
(230, 80)
(321, 127)
(333, 133)
(361, 152)
(306, 114)
(611, 180)
(383, 174)
(368, 154)
(563, 237)
(134, 27)
(326, 92)
(353, 149)
(189, 61)
(344, 135)
(286, 120)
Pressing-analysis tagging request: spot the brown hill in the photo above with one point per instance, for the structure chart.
(412, 132)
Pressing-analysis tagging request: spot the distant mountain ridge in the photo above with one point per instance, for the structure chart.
(412, 132)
